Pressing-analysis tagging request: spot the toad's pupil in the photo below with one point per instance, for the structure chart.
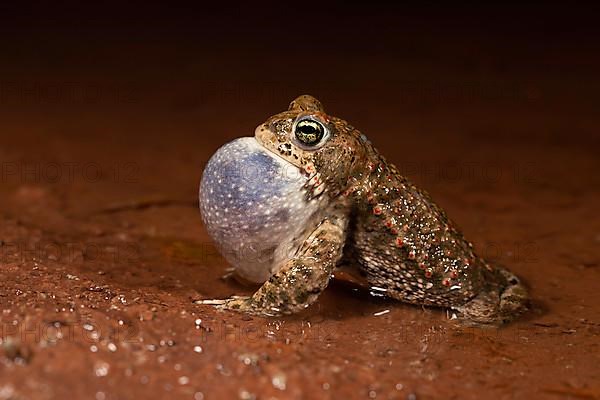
(309, 132)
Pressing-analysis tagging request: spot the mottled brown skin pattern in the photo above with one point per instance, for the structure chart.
(396, 237)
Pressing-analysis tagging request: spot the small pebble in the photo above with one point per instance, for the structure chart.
(246, 395)
(279, 381)
(183, 380)
(101, 368)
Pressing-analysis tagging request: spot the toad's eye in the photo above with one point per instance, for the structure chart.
(309, 132)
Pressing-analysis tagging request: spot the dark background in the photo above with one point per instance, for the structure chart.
(388, 60)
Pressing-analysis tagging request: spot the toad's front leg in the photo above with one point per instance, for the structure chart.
(300, 281)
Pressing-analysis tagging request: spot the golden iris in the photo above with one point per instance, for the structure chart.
(309, 132)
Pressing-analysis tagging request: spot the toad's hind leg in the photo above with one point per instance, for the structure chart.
(300, 281)
(502, 301)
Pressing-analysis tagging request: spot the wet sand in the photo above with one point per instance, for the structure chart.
(104, 135)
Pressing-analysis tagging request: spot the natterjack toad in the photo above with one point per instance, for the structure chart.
(309, 195)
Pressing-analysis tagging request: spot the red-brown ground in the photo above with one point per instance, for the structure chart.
(102, 249)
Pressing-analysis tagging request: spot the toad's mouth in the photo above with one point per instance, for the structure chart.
(265, 138)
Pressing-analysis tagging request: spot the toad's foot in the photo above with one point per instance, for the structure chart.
(243, 304)
(300, 281)
(238, 303)
(499, 304)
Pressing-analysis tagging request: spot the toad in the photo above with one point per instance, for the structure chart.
(309, 196)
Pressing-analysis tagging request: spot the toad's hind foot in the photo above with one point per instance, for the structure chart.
(234, 303)
(499, 304)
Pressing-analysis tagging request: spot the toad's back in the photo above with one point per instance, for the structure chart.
(406, 245)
